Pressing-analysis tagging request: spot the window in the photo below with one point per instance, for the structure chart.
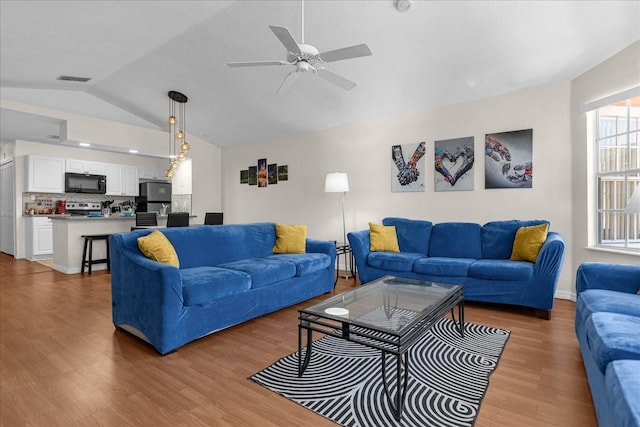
(617, 174)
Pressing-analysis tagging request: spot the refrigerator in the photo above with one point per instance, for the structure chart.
(154, 196)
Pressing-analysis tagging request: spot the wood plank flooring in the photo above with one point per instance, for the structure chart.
(64, 364)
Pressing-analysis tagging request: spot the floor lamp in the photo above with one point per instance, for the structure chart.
(338, 182)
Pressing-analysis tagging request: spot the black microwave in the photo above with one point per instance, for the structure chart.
(85, 183)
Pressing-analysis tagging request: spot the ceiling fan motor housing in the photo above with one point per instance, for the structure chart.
(308, 54)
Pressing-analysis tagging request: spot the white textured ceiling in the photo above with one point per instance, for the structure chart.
(437, 53)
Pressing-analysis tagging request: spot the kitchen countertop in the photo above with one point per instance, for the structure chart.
(90, 218)
(66, 217)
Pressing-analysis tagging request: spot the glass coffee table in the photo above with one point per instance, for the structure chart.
(389, 314)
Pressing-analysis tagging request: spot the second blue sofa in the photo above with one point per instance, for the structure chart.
(607, 326)
(473, 255)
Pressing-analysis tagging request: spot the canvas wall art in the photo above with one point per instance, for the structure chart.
(263, 174)
(272, 174)
(253, 175)
(453, 164)
(509, 159)
(407, 167)
(283, 173)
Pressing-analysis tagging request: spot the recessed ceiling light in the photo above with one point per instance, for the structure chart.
(133, 151)
(84, 144)
(403, 5)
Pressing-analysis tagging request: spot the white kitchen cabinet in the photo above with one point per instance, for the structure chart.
(122, 180)
(153, 173)
(87, 167)
(44, 174)
(39, 235)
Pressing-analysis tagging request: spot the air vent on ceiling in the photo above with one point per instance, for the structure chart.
(74, 79)
(53, 137)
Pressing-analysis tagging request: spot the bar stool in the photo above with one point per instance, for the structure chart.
(88, 244)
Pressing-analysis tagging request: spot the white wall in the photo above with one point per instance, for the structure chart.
(619, 73)
(363, 150)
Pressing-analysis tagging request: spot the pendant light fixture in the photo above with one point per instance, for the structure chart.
(178, 146)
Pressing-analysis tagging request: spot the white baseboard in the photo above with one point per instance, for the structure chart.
(571, 296)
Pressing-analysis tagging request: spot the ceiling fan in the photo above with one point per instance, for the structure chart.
(305, 57)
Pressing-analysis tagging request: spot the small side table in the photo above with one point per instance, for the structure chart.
(343, 248)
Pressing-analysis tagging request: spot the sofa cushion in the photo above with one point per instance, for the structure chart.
(498, 237)
(383, 238)
(157, 247)
(263, 271)
(413, 235)
(622, 383)
(501, 269)
(596, 300)
(612, 336)
(455, 240)
(528, 242)
(202, 285)
(393, 261)
(290, 239)
(439, 266)
(305, 263)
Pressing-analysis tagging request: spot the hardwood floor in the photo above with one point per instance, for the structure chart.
(64, 364)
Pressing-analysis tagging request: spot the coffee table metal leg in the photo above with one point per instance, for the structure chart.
(461, 317)
(396, 403)
(302, 365)
(460, 322)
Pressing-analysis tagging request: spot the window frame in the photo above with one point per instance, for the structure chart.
(628, 173)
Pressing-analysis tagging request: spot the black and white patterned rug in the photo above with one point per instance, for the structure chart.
(448, 377)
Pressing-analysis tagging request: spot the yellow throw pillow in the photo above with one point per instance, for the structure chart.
(528, 242)
(383, 238)
(157, 247)
(290, 239)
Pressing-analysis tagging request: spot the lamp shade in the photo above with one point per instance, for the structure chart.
(634, 202)
(336, 182)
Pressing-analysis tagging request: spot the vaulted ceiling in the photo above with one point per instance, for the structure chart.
(436, 53)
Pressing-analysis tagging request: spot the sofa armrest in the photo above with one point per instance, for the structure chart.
(614, 277)
(359, 242)
(321, 246)
(551, 256)
(146, 294)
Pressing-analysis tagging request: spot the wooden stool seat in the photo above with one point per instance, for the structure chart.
(88, 244)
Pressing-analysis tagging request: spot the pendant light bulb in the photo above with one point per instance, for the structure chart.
(172, 120)
(185, 146)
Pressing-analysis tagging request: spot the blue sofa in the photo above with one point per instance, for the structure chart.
(228, 274)
(608, 329)
(467, 254)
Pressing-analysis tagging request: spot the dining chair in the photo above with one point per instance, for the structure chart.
(213, 218)
(145, 219)
(178, 219)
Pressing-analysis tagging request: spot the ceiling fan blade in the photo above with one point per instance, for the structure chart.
(288, 82)
(335, 79)
(345, 53)
(284, 35)
(255, 63)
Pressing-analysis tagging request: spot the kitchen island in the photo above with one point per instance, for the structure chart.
(68, 242)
